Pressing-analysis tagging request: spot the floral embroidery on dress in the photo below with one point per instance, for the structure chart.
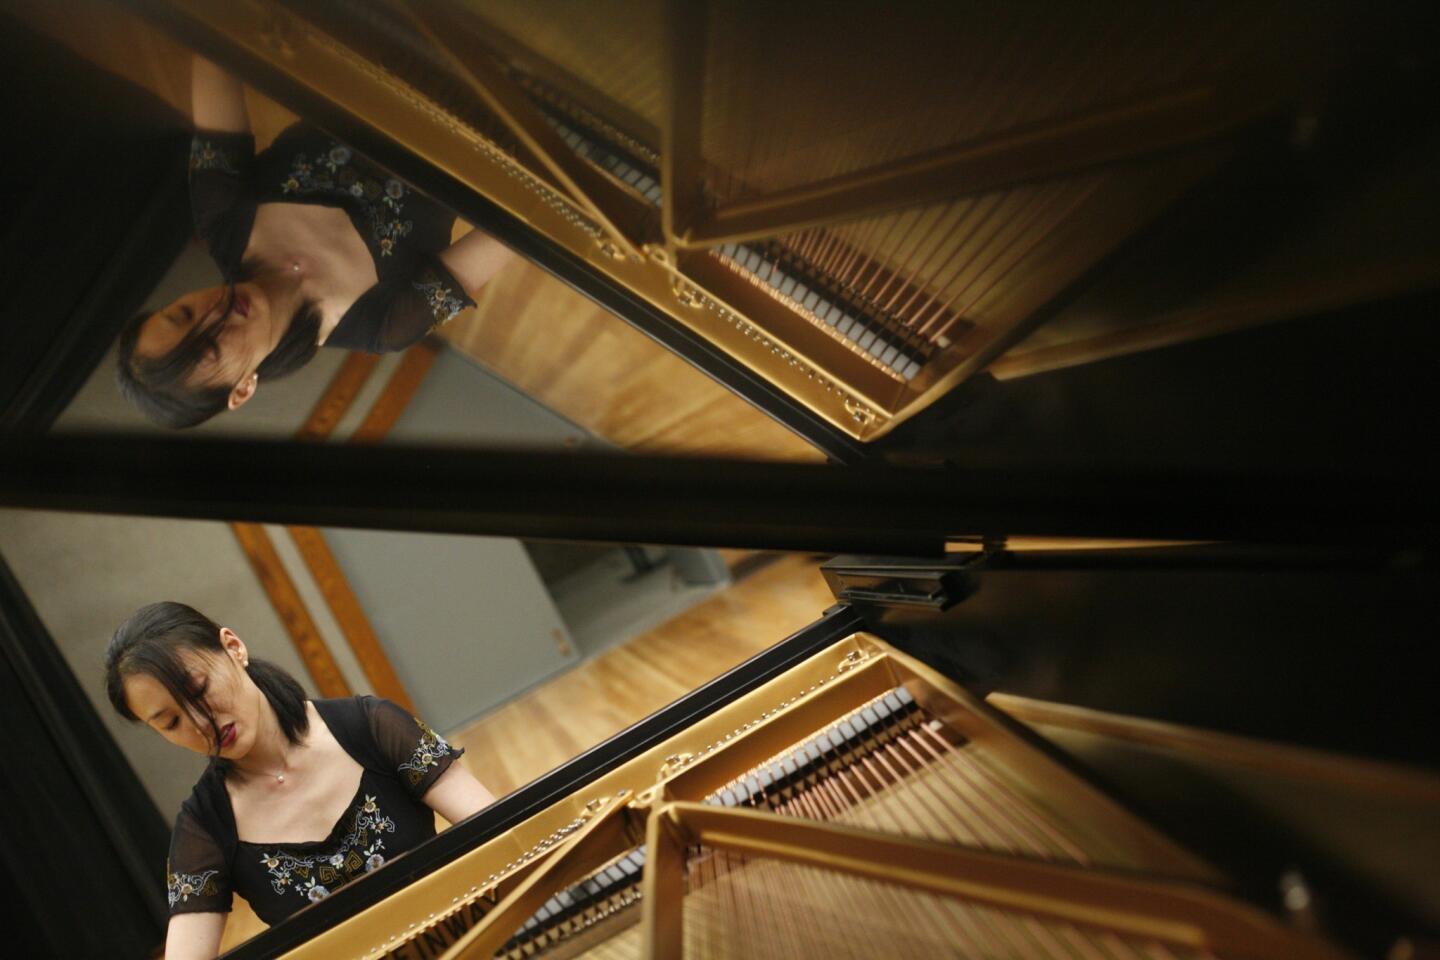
(314, 877)
(182, 886)
(331, 173)
(440, 298)
(427, 754)
(207, 155)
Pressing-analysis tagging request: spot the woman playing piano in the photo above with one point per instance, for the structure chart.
(316, 245)
(300, 797)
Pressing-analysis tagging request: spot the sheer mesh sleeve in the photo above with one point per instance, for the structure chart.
(398, 312)
(220, 181)
(416, 754)
(197, 876)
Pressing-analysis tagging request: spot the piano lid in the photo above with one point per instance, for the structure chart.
(843, 216)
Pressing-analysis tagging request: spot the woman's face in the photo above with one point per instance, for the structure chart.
(244, 317)
(222, 684)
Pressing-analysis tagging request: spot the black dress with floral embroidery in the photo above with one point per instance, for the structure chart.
(400, 757)
(402, 229)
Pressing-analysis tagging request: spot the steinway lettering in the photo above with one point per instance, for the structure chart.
(441, 937)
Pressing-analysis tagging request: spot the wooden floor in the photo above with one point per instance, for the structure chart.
(554, 722)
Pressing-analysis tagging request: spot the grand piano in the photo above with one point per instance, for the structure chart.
(1117, 327)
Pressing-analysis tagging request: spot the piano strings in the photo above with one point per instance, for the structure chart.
(889, 766)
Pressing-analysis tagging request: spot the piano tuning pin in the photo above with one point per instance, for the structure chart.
(609, 248)
(687, 295)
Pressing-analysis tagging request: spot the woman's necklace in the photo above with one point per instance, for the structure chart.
(284, 768)
(284, 765)
(277, 777)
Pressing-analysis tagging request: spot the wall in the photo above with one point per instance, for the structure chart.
(85, 573)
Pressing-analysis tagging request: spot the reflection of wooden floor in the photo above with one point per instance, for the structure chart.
(592, 367)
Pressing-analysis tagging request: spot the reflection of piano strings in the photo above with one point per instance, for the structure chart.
(834, 294)
(941, 262)
(889, 766)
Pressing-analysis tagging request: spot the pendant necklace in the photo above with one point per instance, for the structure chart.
(280, 777)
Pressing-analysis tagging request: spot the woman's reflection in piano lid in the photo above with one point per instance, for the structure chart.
(300, 797)
(316, 246)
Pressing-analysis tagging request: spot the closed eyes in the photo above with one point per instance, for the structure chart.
(196, 693)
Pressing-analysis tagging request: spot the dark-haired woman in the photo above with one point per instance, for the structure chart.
(316, 246)
(300, 797)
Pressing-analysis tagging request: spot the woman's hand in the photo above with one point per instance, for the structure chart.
(217, 100)
(457, 794)
(194, 936)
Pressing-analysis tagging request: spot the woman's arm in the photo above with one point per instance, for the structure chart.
(194, 936)
(456, 795)
(474, 259)
(217, 100)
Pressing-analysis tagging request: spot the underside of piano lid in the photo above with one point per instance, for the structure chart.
(856, 207)
(860, 804)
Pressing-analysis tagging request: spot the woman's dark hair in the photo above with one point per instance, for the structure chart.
(150, 643)
(160, 388)
(157, 385)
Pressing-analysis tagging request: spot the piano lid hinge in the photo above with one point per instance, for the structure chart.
(885, 581)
